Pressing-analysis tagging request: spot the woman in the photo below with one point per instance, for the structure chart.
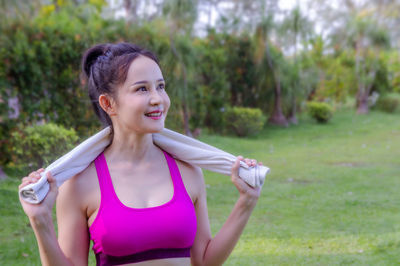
(134, 201)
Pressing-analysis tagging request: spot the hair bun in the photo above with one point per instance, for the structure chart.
(90, 57)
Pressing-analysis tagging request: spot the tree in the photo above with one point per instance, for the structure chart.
(363, 27)
(181, 15)
(263, 52)
(294, 30)
(314, 64)
(367, 39)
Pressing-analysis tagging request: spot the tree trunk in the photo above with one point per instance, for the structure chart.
(363, 91)
(362, 100)
(362, 107)
(363, 94)
(277, 117)
(292, 119)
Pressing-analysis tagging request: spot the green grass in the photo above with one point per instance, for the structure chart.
(332, 197)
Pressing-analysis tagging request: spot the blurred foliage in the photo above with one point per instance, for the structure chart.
(388, 103)
(42, 43)
(240, 69)
(391, 61)
(338, 81)
(213, 89)
(320, 111)
(37, 146)
(244, 121)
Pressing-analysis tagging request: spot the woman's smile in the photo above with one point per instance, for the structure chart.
(143, 102)
(155, 115)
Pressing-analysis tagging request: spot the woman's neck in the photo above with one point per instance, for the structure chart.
(128, 147)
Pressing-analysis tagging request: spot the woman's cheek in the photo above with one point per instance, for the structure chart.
(167, 102)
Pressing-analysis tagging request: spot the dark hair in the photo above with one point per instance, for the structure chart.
(104, 67)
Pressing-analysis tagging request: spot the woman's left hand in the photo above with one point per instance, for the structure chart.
(249, 193)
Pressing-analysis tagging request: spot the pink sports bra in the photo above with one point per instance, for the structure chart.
(123, 235)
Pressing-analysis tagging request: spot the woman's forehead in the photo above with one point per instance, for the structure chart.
(143, 68)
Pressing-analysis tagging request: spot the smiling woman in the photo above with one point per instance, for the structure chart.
(134, 201)
(141, 96)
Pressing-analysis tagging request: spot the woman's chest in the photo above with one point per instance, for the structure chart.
(137, 189)
(157, 218)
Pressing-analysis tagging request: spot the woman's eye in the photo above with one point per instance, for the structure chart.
(161, 86)
(142, 89)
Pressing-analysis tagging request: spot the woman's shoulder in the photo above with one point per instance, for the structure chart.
(84, 179)
(81, 185)
(192, 177)
(189, 171)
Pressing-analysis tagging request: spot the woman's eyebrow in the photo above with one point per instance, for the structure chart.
(140, 82)
(145, 81)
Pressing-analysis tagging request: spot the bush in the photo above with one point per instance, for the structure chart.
(388, 103)
(321, 112)
(244, 121)
(37, 146)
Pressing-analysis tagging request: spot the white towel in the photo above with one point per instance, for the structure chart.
(179, 146)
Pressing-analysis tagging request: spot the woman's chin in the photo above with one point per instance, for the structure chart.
(156, 126)
(156, 129)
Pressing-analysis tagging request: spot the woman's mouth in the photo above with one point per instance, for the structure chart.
(154, 115)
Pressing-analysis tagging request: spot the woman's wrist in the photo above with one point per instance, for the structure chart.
(247, 201)
(41, 221)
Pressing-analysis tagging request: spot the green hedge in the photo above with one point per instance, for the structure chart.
(388, 103)
(37, 146)
(244, 121)
(321, 112)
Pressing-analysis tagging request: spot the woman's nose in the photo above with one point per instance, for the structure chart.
(155, 97)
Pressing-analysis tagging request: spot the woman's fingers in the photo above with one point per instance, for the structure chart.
(245, 189)
(52, 183)
(237, 181)
(50, 178)
(250, 162)
(30, 179)
(33, 177)
(236, 165)
(35, 174)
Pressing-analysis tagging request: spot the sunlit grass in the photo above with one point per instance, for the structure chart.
(332, 197)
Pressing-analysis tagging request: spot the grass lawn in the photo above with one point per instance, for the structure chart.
(332, 197)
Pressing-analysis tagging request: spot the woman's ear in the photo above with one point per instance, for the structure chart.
(107, 103)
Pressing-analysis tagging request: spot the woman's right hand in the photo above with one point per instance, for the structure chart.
(46, 206)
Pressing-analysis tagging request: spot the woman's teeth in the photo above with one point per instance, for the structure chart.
(154, 114)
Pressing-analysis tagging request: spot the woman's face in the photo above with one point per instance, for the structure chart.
(142, 100)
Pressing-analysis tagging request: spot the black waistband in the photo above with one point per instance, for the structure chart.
(105, 260)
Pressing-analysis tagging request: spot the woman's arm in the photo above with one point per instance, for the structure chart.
(214, 251)
(73, 235)
(40, 217)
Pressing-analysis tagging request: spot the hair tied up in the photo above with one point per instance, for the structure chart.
(90, 58)
(104, 58)
(105, 66)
